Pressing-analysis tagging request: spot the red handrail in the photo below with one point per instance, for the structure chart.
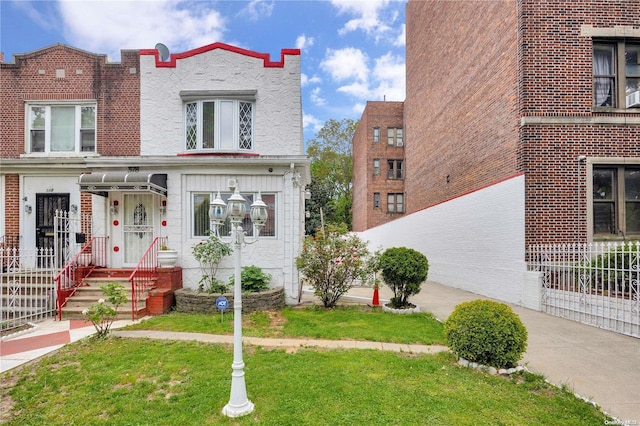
(144, 273)
(73, 273)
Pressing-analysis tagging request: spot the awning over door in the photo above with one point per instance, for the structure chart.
(103, 183)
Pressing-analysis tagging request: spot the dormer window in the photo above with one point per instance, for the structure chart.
(219, 125)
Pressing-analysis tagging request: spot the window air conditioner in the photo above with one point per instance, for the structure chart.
(400, 143)
(633, 100)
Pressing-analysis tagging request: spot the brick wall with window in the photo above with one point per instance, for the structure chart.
(535, 95)
(59, 77)
(371, 163)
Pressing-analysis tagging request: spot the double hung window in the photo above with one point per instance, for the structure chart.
(219, 125)
(376, 167)
(61, 128)
(616, 74)
(395, 136)
(376, 200)
(395, 169)
(395, 203)
(616, 201)
(200, 214)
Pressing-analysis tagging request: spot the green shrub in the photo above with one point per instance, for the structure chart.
(252, 279)
(404, 270)
(332, 261)
(486, 332)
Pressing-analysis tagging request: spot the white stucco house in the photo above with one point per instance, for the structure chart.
(209, 117)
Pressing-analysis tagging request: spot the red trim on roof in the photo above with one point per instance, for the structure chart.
(218, 154)
(171, 63)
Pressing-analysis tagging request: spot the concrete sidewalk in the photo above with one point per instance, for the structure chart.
(596, 364)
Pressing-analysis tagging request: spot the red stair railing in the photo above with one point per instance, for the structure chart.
(75, 271)
(141, 278)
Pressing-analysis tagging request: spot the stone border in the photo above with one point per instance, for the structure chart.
(189, 300)
(491, 370)
(413, 310)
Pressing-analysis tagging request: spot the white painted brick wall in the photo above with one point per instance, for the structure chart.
(475, 242)
(278, 110)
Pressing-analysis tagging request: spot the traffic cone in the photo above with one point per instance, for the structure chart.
(376, 297)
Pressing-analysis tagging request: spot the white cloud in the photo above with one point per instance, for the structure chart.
(344, 64)
(356, 89)
(306, 80)
(316, 98)
(389, 76)
(101, 26)
(304, 42)
(311, 122)
(257, 9)
(401, 40)
(366, 15)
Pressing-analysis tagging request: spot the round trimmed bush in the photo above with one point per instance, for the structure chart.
(486, 332)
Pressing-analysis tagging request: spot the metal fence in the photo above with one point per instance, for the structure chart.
(594, 283)
(27, 291)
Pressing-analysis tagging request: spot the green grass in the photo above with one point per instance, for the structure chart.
(357, 323)
(119, 381)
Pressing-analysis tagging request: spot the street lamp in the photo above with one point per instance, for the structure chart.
(239, 404)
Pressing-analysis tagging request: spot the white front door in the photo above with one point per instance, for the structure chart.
(137, 226)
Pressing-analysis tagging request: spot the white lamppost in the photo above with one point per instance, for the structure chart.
(239, 404)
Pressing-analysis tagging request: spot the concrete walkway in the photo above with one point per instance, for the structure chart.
(598, 365)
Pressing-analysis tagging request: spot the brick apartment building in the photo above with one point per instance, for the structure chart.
(522, 126)
(378, 165)
(137, 146)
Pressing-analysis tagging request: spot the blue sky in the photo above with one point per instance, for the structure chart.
(352, 51)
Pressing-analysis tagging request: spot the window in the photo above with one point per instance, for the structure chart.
(200, 209)
(395, 169)
(219, 125)
(395, 203)
(376, 200)
(62, 128)
(616, 74)
(376, 134)
(395, 137)
(616, 201)
(376, 167)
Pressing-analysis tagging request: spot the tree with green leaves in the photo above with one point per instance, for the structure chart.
(331, 174)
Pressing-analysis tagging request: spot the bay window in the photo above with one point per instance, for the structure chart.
(219, 125)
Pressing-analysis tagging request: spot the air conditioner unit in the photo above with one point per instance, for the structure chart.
(633, 100)
(400, 143)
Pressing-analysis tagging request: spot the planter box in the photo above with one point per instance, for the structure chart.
(188, 300)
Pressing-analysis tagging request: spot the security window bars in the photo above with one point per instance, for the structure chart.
(62, 128)
(395, 169)
(395, 203)
(219, 125)
(616, 74)
(200, 216)
(616, 201)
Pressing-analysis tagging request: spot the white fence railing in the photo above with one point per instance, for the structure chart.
(27, 289)
(596, 283)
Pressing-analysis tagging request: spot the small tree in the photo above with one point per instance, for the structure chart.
(209, 253)
(332, 261)
(404, 270)
(101, 314)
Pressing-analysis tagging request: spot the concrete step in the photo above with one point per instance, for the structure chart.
(123, 312)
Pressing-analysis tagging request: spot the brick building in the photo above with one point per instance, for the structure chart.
(378, 165)
(522, 126)
(144, 145)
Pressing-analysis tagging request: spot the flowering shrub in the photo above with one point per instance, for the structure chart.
(332, 261)
(102, 314)
(209, 253)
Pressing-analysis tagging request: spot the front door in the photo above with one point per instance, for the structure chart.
(137, 226)
(46, 206)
